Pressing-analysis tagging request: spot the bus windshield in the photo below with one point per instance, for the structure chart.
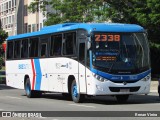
(120, 53)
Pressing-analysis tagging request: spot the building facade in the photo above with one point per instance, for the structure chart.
(7, 15)
(15, 18)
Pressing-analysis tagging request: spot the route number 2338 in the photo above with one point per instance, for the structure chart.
(110, 38)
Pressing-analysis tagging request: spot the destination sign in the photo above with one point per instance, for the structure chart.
(107, 37)
(106, 58)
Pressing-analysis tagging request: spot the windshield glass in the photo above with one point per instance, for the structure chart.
(120, 52)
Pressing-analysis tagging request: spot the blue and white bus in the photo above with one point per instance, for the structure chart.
(80, 59)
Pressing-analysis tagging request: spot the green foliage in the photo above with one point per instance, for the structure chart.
(155, 58)
(36, 4)
(70, 10)
(145, 13)
(3, 36)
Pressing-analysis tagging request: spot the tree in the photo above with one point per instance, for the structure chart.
(3, 36)
(68, 10)
(145, 13)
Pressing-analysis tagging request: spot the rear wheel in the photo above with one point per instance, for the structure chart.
(31, 93)
(122, 98)
(76, 97)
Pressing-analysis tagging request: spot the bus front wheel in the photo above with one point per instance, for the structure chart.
(122, 98)
(76, 96)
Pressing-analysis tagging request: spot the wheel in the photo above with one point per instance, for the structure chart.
(31, 93)
(76, 97)
(122, 98)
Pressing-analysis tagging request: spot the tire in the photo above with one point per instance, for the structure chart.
(31, 93)
(76, 97)
(122, 98)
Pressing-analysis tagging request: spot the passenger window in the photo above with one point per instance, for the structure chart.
(43, 50)
(9, 50)
(82, 52)
(17, 49)
(69, 43)
(24, 48)
(56, 45)
(33, 48)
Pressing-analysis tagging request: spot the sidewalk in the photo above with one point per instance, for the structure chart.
(154, 86)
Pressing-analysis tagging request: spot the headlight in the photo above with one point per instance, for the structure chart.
(147, 78)
(99, 78)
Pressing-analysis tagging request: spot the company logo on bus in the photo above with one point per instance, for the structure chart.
(23, 66)
(67, 65)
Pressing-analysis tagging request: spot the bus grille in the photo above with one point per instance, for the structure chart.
(125, 81)
(117, 89)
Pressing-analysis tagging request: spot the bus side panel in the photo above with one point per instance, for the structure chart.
(90, 82)
(59, 69)
(16, 71)
(41, 66)
(82, 78)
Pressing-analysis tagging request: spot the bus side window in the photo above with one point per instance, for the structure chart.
(17, 49)
(56, 45)
(24, 48)
(33, 51)
(43, 50)
(10, 50)
(82, 52)
(69, 44)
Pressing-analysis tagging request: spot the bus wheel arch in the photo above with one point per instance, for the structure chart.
(76, 96)
(27, 87)
(71, 78)
(29, 92)
(72, 89)
(25, 79)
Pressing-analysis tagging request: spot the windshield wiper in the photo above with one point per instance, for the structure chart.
(114, 62)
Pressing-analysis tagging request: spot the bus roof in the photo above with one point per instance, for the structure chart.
(100, 27)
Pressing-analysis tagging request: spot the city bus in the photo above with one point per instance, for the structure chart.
(79, 60)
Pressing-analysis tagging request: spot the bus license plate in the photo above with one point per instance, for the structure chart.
(124, 90)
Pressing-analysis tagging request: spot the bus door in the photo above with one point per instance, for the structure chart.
(44, 63)
(54, 64)
(82, 61)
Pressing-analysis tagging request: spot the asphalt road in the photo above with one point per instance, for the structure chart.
(15, 100)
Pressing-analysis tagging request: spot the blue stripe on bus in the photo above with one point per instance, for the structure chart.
(38, 74)
(111, 77)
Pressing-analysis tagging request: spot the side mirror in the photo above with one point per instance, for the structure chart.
(89, 45)
(146, 31)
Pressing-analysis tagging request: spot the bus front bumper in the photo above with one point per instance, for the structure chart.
(112, 88)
